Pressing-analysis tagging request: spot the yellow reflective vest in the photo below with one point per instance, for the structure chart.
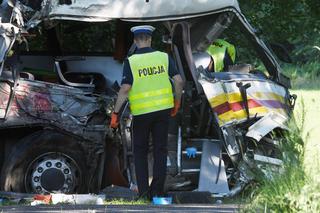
(151, 90)
(217, 50)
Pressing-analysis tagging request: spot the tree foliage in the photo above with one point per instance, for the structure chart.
(288, 22)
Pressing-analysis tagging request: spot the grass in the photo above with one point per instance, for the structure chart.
(311, 131)
(126, 202)
(300, 73)
(306, 85)
(298, 188)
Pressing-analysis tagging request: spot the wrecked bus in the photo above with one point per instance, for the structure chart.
(61, 66)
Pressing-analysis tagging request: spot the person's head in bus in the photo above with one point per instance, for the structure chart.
(223, 54)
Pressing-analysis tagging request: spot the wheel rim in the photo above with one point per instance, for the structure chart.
(52, 172)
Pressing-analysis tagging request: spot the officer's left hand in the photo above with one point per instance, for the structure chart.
(175, 109)
(114, 120)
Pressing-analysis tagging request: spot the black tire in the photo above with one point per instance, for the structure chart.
(38, 149)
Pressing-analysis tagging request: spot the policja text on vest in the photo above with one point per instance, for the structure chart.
(151, 71)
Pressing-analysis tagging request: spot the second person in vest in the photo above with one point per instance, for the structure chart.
(146, 83)
(223, 54)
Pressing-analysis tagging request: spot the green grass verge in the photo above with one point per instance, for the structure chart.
(301, 74)
(127, 202)
(277, 194)
(298, 188)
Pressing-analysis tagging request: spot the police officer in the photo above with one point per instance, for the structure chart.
(146, 83)
(223, 54)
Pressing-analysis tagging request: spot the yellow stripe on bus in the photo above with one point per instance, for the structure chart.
(241, 114)
(236, 97)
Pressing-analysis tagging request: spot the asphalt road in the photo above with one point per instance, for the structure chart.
(122, 208)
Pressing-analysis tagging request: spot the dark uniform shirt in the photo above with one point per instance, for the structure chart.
(127, 77)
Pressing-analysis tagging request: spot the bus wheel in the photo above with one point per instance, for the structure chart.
(44, 162)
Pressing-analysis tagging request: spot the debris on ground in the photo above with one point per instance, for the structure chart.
(111, 195)
(78, 199)
(41, 199)
(7, 198)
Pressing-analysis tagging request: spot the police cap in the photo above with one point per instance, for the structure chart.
(147, 29)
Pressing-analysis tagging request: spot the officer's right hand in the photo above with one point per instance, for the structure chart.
(114, 120)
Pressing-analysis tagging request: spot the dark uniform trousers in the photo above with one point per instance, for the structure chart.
(155, 123)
